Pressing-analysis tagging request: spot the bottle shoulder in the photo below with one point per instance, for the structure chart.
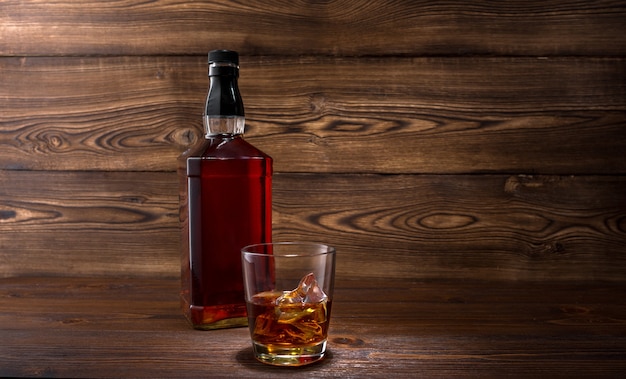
(225, 147)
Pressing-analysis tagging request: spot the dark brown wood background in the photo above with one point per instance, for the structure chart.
(423, 139)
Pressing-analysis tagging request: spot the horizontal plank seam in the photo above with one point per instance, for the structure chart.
(407, 56)
(360, 173)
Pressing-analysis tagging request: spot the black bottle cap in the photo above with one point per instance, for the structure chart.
(224, 56)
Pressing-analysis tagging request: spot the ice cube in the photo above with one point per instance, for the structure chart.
(295, 313)
(308, 291)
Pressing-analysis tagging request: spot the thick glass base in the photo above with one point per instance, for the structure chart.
(289, 355)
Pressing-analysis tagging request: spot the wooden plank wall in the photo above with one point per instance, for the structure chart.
(426, 140)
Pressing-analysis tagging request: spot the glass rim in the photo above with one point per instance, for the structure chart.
(327, 249)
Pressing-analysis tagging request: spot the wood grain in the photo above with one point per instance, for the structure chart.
(378, 329)
(346, 27)
(403, 226)
(466, 159)
(426, 115)
(88, 223)
(480, 227)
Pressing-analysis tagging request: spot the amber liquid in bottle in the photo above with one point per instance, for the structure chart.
(229, 206)
(226, 204)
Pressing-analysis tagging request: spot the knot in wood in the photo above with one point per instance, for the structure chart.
(7, 214)
(318, 103)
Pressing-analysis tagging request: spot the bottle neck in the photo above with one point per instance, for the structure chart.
(223, 125)
(224, 112)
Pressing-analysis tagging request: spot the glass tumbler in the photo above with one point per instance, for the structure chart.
(289, 292)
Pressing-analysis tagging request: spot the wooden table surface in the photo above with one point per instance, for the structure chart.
(103, 327)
